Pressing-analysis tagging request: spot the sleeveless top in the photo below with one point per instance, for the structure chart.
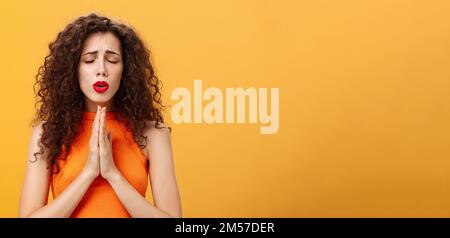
(100, 199)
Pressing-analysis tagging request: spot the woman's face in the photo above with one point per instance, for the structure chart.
(100, 69)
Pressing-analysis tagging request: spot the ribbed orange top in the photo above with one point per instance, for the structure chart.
(100, 199)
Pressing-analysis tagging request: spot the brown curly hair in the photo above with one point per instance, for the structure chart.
(61, 100)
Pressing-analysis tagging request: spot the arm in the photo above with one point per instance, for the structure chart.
(33, 199)
(164, 185)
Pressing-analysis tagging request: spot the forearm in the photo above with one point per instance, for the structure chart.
(136, 204)
(67, 201)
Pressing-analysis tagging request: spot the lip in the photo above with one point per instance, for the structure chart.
(100, 86)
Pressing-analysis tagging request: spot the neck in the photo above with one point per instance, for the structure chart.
(91, 106)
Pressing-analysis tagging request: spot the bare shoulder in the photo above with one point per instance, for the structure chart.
(158, 137)
(37, 126)
(159, 130)
(36, 133)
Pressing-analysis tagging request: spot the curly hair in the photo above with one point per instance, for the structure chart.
(61, 100)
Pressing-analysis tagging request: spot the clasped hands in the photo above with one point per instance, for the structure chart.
(100, 157)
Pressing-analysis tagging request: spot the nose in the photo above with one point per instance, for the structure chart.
(102, 70)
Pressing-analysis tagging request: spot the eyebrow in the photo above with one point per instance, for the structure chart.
(96, 51)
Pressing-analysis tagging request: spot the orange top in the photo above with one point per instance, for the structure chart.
(100, 199)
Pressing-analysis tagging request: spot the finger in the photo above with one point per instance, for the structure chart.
(102, 128)
(105, 130)
(98, 123)
(104, 120)
(95, 120)
(109, 137)
(95, 126)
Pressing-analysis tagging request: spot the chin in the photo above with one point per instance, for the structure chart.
(100, 98)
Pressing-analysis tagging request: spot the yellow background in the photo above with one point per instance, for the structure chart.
(364, 101)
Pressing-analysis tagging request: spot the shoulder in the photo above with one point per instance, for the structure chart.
(38, 124)
(158, 137)
(36, 133)
(37, 129)
(160, 130)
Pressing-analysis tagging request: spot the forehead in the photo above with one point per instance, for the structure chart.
(101, 41)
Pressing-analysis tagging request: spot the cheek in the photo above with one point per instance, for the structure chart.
(116, 76)
(83, 74)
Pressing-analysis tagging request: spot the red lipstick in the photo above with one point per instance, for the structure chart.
(100, 86)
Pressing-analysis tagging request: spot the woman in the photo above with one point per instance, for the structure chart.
(98, 136)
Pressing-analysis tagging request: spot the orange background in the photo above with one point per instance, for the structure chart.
(364, 92)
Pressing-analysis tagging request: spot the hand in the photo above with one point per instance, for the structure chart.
(108, 168)
(92, 165)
